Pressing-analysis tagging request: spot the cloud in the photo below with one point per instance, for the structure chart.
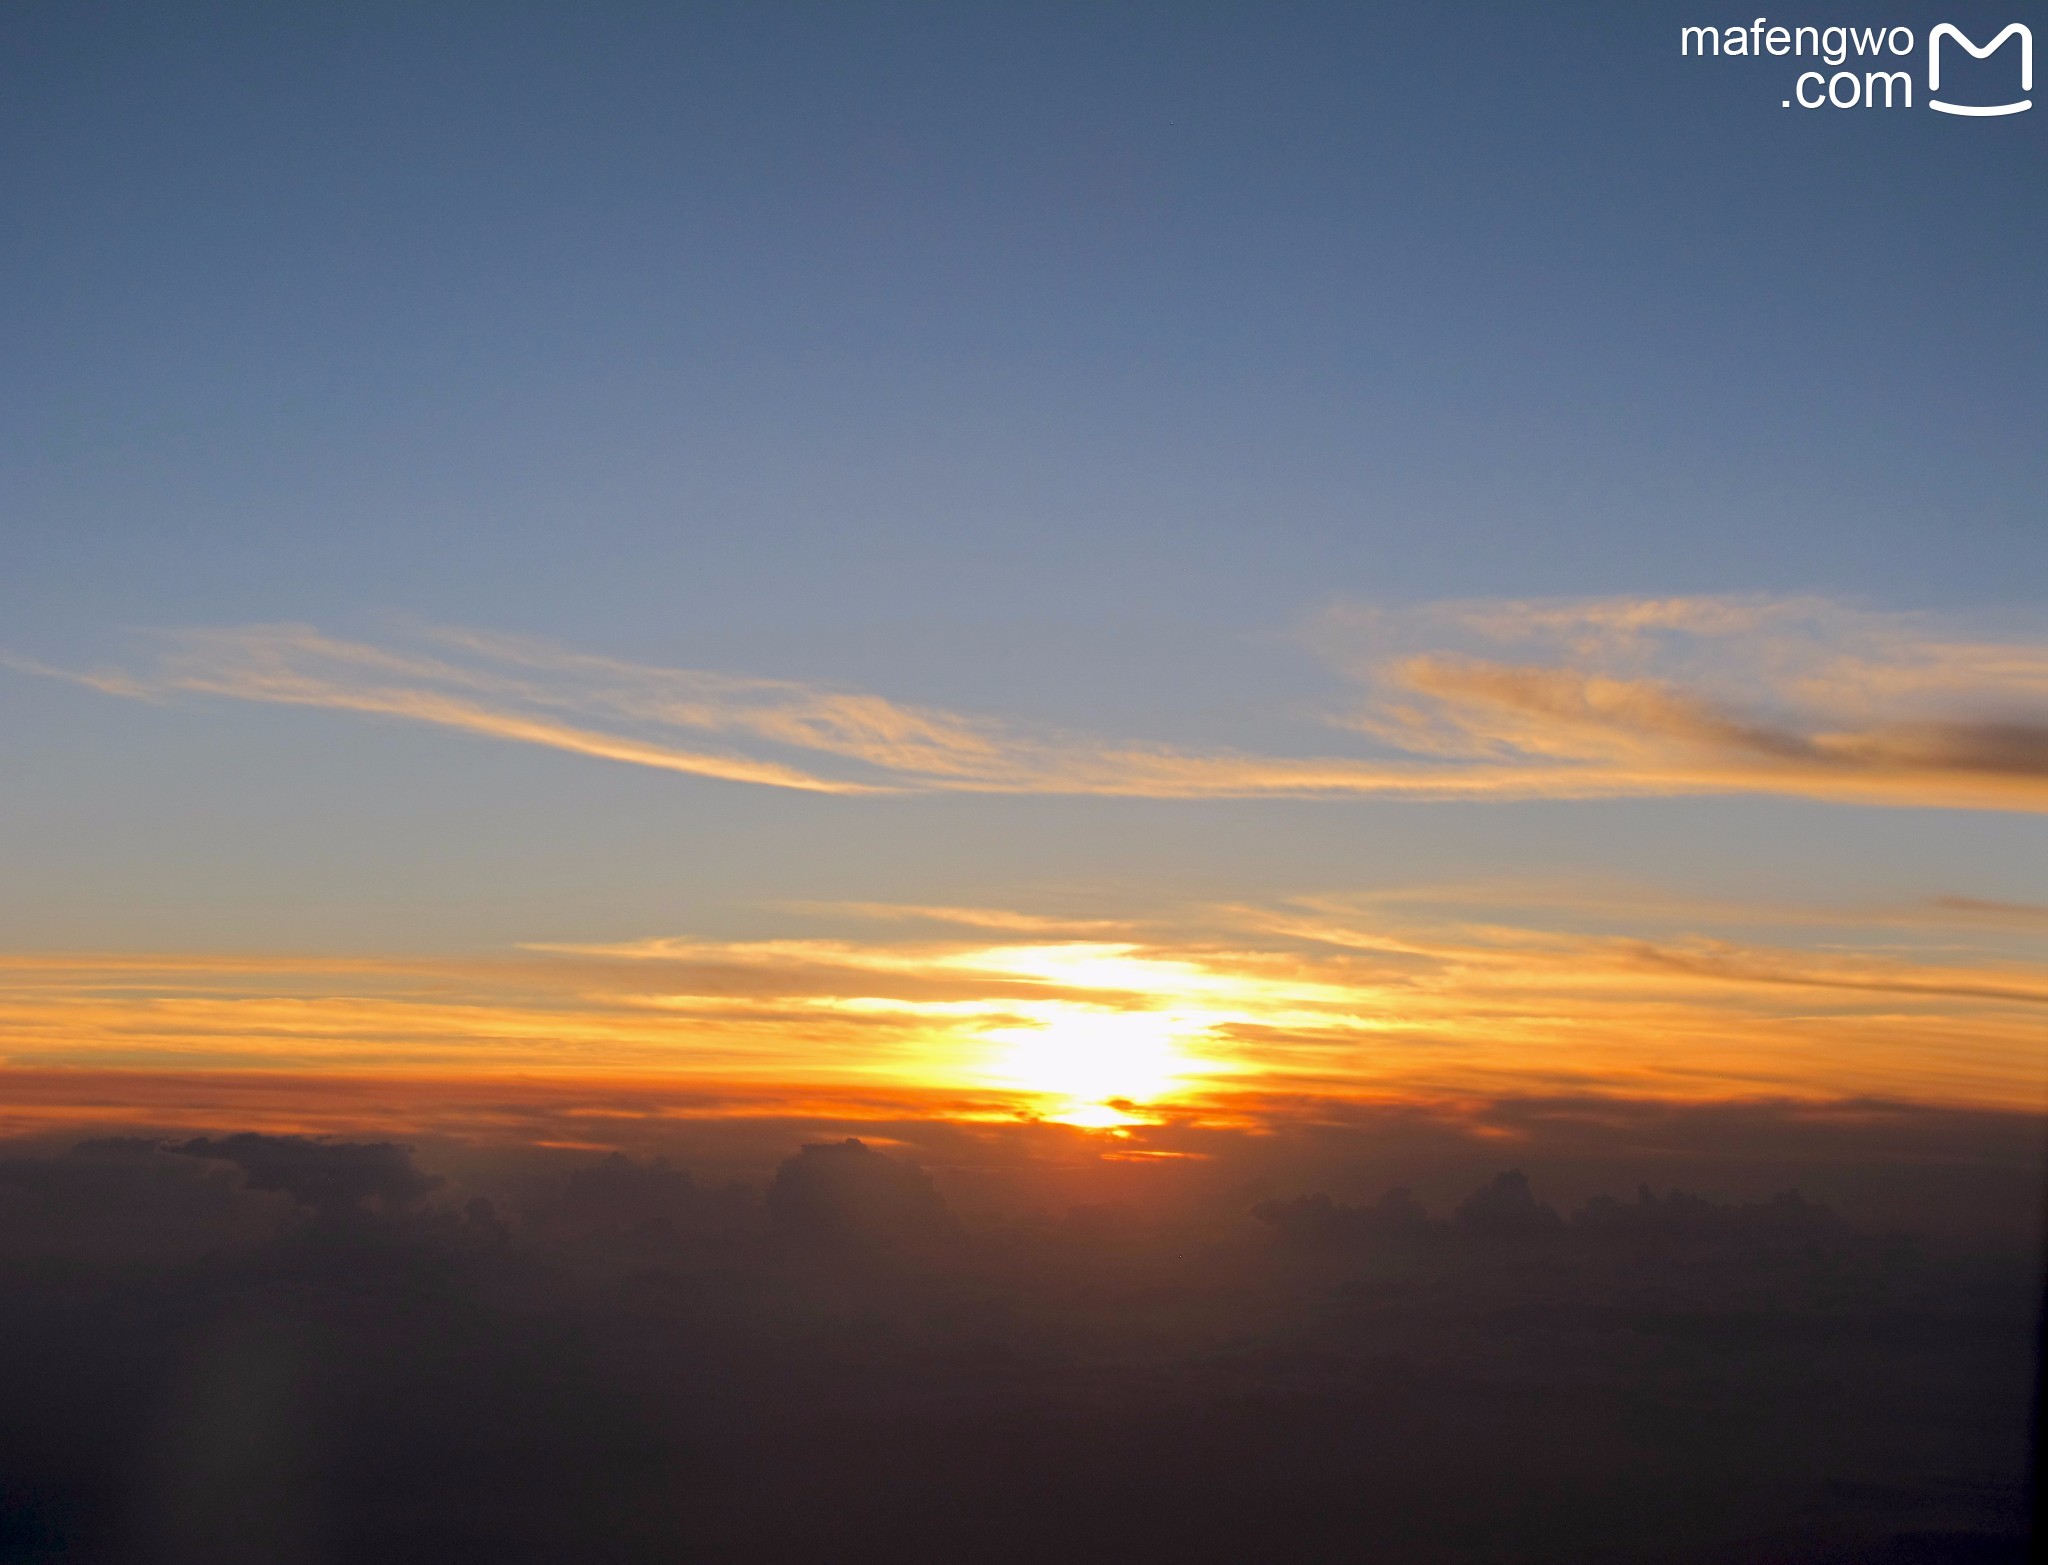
(330, 1177)
(846, 1191)
(1208, 1010)
(1797, 696)
(864, 1362)
(530, 692)
(1996, 912)
(124, 1198)
(971, 917)
(1489, 700)
(294, 665)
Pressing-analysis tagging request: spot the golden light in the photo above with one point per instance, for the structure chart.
(1095, 1064)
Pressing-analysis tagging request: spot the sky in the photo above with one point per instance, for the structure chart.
(1090, 561)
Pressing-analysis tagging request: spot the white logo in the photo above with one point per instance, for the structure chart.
(1852, 52)
(1950, 30)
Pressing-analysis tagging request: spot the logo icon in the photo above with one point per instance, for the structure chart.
(1950, 30)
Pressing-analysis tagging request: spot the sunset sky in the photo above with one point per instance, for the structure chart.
(1099, 563)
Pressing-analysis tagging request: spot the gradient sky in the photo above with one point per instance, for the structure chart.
(1235, 482)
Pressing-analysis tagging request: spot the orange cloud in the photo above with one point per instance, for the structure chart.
(1709, 695)
(1316, 997)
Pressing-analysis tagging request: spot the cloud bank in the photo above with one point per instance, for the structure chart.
(854, 1350)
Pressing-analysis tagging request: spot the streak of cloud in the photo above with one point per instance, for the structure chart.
(2024, 913)
(1495, 700)
(1795, 696)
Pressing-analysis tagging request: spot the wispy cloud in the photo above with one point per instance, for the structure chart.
(1005, 919)
(1980, 908)
(1796, 696)
(801, 736)
(1492, 700)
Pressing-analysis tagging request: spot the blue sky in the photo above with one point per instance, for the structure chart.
(1062, 366)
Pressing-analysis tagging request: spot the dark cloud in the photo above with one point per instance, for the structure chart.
(1318, 1220)
(124, 1199)
(617, 1359)
(1679, 1215)
(624, 1205)
(1506, 1209)
(328, 1176)
(846, 1191)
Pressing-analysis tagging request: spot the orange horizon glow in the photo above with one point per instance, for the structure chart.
(1109, 1030)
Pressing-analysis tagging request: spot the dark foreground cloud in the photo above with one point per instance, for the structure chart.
(847, 1193)
(322, 1175)
(353, 1354)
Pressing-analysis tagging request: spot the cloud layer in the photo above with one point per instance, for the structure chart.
(1478, 700)
(990, 1013)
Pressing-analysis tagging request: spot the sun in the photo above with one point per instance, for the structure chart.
(1093, 1063)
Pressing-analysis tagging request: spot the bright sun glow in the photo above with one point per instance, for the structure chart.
(1092, 1062)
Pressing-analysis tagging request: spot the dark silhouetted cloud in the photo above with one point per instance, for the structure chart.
(327, 1176)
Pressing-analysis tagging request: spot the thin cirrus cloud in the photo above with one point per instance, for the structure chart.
(1798, 696)
(1474, 700)
(1980, 908)
(1206, 1010)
